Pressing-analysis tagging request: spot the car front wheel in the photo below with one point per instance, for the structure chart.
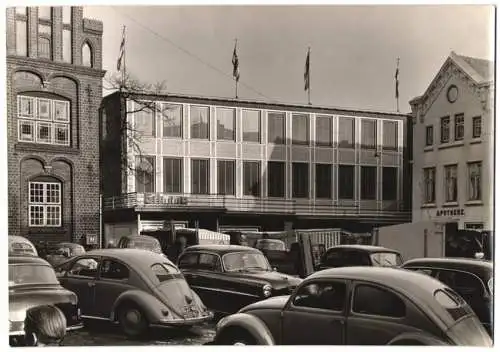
(237, 338)
(132, 320)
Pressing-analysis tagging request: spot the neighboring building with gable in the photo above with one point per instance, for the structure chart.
(453, 145)
(54, 89)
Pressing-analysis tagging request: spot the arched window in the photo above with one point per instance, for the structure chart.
(45, 202)
(86, 55)
(44, 47)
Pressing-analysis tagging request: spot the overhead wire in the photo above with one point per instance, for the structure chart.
(187, 52)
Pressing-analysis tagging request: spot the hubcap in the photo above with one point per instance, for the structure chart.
(238, 343)
(133, 317)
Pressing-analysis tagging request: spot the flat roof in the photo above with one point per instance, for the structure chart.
(270, 104)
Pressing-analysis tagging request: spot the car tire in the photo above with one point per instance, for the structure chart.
(132, 320)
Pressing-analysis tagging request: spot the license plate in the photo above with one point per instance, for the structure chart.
(190, 312)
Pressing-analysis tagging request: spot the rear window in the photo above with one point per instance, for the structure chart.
(22, 248)
(452, 302)
(165, 271)
(386, 259)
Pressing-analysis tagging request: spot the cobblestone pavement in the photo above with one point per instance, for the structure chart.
(97, 333)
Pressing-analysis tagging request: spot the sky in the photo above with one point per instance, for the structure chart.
(354, 49)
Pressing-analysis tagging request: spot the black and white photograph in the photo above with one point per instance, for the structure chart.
(249, 174)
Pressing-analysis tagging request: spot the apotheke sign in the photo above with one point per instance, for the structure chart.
(450, 212)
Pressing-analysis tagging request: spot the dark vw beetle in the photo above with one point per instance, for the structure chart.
(359, 255)
(133, 287)
(471, 278)
(229, 277)
(33, 282)
(358, 306)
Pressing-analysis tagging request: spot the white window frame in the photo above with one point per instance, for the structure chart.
(244, 117)
(477, 126)
(45, 204)
(217, 117)
(165, 108)
(474, 196)
(49, 120)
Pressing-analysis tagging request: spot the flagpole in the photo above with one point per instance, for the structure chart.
(309, 75)
(237, 78)
(397, 85)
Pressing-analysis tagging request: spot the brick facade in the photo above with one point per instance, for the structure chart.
(75, 166)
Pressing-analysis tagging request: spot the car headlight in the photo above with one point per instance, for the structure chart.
(267, 290)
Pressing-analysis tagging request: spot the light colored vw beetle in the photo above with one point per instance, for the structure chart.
(136, 288)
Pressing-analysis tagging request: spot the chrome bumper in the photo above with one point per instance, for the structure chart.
(18, 332)
(184, 322)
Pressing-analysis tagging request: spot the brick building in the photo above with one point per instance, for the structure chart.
(231, 164)
(54, 89)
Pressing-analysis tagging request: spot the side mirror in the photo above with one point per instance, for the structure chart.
(479, 255)
(275, 269)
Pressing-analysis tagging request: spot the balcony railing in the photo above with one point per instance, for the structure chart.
(231, 204)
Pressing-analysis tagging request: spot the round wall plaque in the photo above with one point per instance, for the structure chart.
(452, 93)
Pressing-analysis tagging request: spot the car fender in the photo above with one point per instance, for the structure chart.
(417, 337)
(150, 305)
(250, 323)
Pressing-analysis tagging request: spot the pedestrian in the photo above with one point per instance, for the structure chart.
(174, 252)
(44, 326)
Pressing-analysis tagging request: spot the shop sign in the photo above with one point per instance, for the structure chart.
(91, 239)
(163, 199)
(450, 212)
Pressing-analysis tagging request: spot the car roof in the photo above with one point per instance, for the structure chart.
(69, 244)
(477, 266)
(14, 238)
(141, 237)
(366, 248)
(221, 249)
(133, 256)
(24, 259)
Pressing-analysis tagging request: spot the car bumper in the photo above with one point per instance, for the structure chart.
(184, 322)
(17, 328)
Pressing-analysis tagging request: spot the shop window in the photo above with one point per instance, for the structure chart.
(368, 133)
(323, 181)
(226, 122)
(200, 176)
(44, 204)
(250, 122)
(346, 132)
(172, 120)
(300, 180)
(300, 129)
(345, 189)
(145, 174)
(389, 183)
(200, 121)
(451, 183)
(368, 182)
(225, 177)
(276, 127)
(324, 131)
(172, 175)
(251, 178)
(390, 135)
(276, 179)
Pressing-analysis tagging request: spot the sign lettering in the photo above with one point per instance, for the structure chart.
(163, 199)
(450, 212)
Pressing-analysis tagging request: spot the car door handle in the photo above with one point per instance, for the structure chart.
(90, 284)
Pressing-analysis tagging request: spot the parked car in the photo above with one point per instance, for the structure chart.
(359, 255)
(140, 242)
(62, 252)
(19, 245)
(358, 306)
(133, 287)
(33, 282)
(270, 244)
(229, 277)
(471, 278)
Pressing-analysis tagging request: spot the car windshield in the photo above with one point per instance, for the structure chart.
(245, 261)
(273, 245)
(386, 259)
(152, 246)
(31, 274)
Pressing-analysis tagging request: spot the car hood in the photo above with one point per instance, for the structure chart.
(275, 279)
(177, 295)
(278, 303)
(23, 298)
